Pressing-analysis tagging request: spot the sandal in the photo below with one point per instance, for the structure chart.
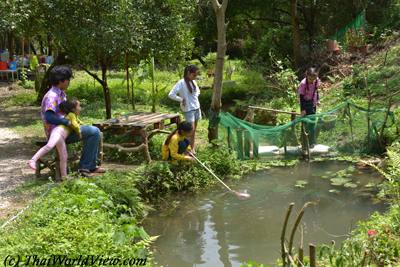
(85, 173)
(98, 170)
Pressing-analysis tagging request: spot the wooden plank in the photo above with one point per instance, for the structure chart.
(148, 121)
(152, 119)
(128, 117)
(142, 121)
(138, 117)
(157, 119)
(122, 120)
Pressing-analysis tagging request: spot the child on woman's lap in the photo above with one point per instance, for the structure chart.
(59, 134)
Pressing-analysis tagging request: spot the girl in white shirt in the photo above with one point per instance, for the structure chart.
(187, 93)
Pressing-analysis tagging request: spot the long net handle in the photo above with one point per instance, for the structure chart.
(210, 171)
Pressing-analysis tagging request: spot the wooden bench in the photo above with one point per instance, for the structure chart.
(53, 162)
(140, 124)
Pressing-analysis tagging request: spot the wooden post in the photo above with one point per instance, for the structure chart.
(283, 250)
(146, 145)
(239, 135)
(301, 250)
(305, 142)
(301, 257)
(313, 262)
(247, 144)
(285, 142)
(350, 124)
(229, 137)
(255, 145)
(296, 224)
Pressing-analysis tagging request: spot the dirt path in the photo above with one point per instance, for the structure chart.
(15, 150)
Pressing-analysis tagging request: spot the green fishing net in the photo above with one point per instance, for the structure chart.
(347, 128)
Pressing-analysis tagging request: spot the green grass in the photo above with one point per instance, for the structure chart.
(26, 98)
(78, 218)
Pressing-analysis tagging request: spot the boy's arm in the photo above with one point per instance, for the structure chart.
(52, 118)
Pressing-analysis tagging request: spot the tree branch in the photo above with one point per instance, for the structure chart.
(216, 5)
(92, 74)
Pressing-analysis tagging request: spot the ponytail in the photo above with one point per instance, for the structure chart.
(190, 84)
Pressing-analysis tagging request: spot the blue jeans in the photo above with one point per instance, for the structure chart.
(91, 140)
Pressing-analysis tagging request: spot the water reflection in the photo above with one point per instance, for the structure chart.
(217, 229)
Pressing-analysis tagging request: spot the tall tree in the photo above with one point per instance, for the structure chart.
(219, 9)
(295, 34)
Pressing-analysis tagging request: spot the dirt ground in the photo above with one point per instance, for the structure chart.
(15, 151)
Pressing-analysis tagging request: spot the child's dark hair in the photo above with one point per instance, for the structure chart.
(68, 106)
(312, 72)
(59, 74)
(190, 69)
(182, 127)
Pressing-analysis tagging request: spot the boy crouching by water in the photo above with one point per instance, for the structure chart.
(177, 146)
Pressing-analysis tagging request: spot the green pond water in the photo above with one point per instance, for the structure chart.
(218, 229)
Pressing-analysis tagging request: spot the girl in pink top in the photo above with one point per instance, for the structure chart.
(308, 92)
(309, 98)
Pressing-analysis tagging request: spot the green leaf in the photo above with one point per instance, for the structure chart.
(119, 238)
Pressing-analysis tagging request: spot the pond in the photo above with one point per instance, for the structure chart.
(217, 229)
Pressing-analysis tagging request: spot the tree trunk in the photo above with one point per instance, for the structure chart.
(11, 44)
(153, 86)
(133, 94)
(41, 45)
(32, 48)
(49, 44)
(219, 10)
(127, 76)
(106, 90)
(61, 59)
(295, 34)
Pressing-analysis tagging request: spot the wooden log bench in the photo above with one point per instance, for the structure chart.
(53, 162)
(140, 124)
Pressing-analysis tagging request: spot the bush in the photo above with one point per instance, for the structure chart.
(160, 178)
